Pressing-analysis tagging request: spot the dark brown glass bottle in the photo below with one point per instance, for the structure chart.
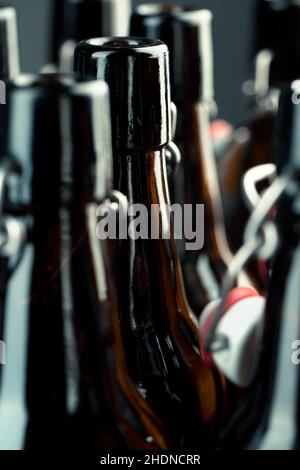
(65, 384)
(84, 19)
(253, 138)
(188, 34)
(251, 145)
(159, 329)
(269, 418)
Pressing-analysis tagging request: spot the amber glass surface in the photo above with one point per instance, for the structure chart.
(203, 270)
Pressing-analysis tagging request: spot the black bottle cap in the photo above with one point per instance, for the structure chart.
(83, 19)
(9, 45)
(288, 129)
(59, 132)
(137, 72)
(188, 34)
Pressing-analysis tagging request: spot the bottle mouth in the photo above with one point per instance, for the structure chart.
(193, 16)
(184, 13)
(117, 43)
(61, 83)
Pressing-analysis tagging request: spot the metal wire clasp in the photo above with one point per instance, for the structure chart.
(260, 239)
(12, 230)
(173, 155)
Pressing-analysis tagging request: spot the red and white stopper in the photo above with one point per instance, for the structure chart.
(241, 324)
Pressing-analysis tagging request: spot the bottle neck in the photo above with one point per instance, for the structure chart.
(137, 256)
(143, 179)
(201, 184)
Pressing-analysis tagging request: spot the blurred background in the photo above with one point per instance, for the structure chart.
(233, 30)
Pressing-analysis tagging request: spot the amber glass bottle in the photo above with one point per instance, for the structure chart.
(188, 34)
(269, 418)
(66, 383)
(83, 19)
(159, 329)
(253, 139)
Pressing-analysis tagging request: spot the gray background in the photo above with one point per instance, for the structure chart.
(233, 26)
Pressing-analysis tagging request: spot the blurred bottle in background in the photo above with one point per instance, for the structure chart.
(188, 34)
(252, 141)
(269, 418)
(84, 19)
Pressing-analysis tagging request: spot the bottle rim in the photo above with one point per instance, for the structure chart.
(184, 13)
(154, 9)
(118, 43)
(7, 13)
(60, 83)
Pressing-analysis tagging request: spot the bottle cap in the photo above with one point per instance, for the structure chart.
(59, 132)
(188, 34)
(241, 324)
(9, 44)
(137, 72)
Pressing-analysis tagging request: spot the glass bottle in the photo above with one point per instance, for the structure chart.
(83, 19)
(65, 384)
(188, 34)
(159, 328)
(253, 140)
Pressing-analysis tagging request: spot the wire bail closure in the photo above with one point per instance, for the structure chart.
(260, 239)
(173, 155)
